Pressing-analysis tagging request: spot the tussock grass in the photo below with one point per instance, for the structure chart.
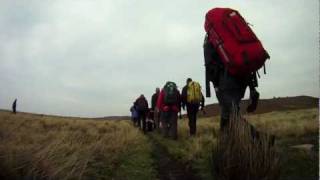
(243, 154)
(45, 147)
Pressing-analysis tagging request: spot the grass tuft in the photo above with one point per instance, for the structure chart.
(243, 154)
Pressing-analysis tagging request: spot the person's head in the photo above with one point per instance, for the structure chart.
(141, 96)
(157, 90)
(189, 80)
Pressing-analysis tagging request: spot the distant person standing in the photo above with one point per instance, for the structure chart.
(192, 97)
(14, 106)
(169, 106)
(142, 107)
(156, 114)
(134, 114)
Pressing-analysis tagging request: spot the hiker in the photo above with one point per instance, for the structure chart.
(142, 107)
(169, 106)
(14, 106)
(156, 114)
(230, 82)
(134, 114)
(192, 97)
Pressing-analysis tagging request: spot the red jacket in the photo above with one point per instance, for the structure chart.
(163, 107)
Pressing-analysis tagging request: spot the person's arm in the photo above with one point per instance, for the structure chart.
(202, 101)
(253, 82)
(179, 105)
(184, 97)
(179, 100)
(147, 103)
(152, 102)
(213, 65)
(207, 48)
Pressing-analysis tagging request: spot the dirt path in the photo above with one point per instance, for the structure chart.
(167, 167)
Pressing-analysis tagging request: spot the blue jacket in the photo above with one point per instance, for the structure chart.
(134, 112)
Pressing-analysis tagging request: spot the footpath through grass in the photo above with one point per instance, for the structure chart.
(192, 152)
(167, 166)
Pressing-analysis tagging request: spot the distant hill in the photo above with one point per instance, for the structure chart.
(269, 105)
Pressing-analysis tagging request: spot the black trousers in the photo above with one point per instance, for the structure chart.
(229, 102)
(142, 119)
(192, 111)
(229, 93)
(169, 124)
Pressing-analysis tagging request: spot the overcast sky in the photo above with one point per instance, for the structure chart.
(94, 57)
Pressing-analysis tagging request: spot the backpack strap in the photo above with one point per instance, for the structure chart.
(257, 72)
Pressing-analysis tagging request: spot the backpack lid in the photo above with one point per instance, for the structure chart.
(170, 84)
(170, 93)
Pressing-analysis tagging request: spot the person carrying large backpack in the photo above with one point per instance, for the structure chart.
(169, 106)
(192, 97)
(233, 55)
(141, 105)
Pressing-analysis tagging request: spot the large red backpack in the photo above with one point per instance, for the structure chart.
(238, 47)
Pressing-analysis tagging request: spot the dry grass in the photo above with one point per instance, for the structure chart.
(43, 147)
(243, 155)
(289, 123)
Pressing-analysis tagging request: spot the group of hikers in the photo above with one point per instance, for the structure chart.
(166, 104)
(232, 57)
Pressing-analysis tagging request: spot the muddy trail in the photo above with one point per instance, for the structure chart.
(168, 168)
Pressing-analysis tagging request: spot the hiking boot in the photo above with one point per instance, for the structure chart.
(254, 97)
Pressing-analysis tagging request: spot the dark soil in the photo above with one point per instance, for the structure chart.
(169, 168)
